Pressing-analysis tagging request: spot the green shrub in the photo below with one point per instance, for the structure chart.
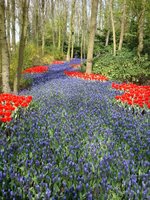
(125, 67)
(25, 83)
(32, 56)
(56, 53)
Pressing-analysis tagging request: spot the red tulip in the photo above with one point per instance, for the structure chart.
(36, 69)
(9, 103)
(134, 94)
(85, 76)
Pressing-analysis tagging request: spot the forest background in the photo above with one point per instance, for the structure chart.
(36, 32)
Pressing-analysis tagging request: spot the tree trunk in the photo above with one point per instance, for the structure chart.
(72, 45)
(43, 26)
(107, 38)
(59, 35)
(8, 24)
(53, 24)
(141, 29)
(100, 16)
(84, 28)
(1, 40)
(37, 24)
(64, 30)
(122, 25)
(0, 64)
(107, 23)
(25, 5)
(113, 26)
(71, 29)
(85, 37)
(81, 49)
(91, 36)
(82, 36)
(13, 3)
(4, 55)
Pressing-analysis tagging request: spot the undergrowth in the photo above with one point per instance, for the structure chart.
(124, 67)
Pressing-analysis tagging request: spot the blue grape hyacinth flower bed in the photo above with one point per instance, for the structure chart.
(74, 142)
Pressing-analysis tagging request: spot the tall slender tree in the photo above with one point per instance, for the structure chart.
(71, 29)
(43, 25)
(100, 16)
(107, 22)
(53, 23)
(84, 28)
(113, 26)
(8, 24)
(141, 22)
(13, 23)
(1, 38)
(25, 6)
(64, 29)
(37, 23)
(91, 36)
(123, 20)
(4, 54)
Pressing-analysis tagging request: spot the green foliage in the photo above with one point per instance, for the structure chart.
(83, 67)
(32, 56)
(25, 83)
(124, 67)
(99, 44)
(56, 53)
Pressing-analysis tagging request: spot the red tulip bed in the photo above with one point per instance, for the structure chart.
(58, 62)
(85, 76)
(36, 69)
(134, 94)
(9, 103)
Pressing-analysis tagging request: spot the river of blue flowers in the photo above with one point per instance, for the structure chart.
(74, 142)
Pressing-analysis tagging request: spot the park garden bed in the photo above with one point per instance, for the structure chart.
(75, 142)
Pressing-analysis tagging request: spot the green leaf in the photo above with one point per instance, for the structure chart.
(22, 168)
(93, 168)
(51, 133)
(56, 188)
(30, 155)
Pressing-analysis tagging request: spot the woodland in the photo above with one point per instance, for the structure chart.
(74, 99)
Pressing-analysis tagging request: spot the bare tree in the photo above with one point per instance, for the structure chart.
(61, 20)
(4, 54)
(141, 28)
(113, 26)
(64, 29)
(71, 29)
(84, 28)
(91, 36)
(37, 23)
(13, 22)
(25, 6)
(100, 16)
(43, 25)
(107, 22)
(123, 20)
(53, 23)
(8, 24)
